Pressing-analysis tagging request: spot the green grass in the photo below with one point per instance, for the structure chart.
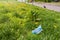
(17, 20)
(7, 0)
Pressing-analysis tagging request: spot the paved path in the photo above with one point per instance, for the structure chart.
(48, 6)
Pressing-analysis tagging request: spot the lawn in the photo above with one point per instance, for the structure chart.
(8, 0)
(17, 20)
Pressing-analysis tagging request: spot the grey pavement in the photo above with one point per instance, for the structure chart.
(48, 6)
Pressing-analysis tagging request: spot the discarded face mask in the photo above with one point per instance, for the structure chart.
(37, 30)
